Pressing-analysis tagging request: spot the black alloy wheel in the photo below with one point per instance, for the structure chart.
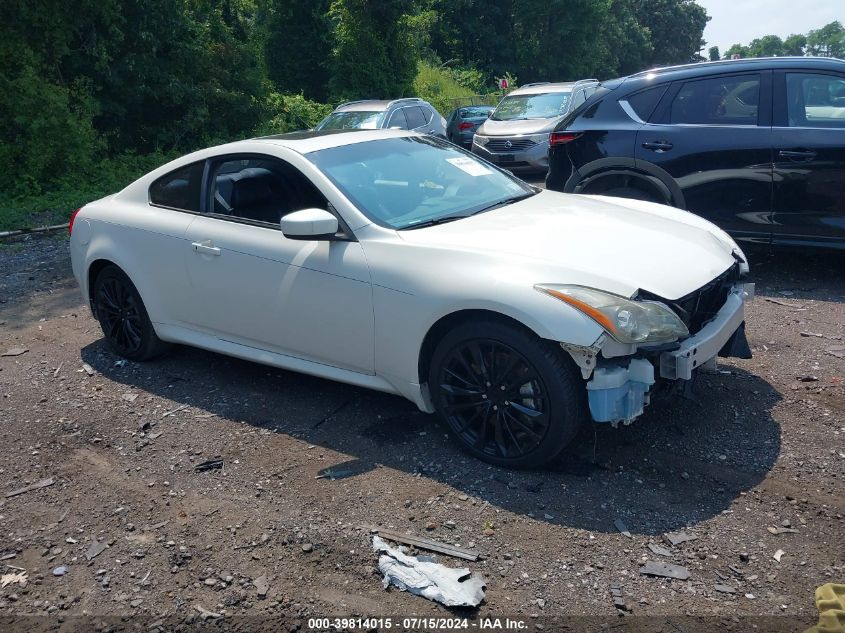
(123, 317)
(508, 397)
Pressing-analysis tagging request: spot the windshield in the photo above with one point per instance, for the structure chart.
(539, 106)
(413, 180)
(476, 112)
(356, 119)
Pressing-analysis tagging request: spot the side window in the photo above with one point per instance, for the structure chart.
(645, 101)
(718, 101)
(179, 189)
(428, 114)
(415, 117)
(815, 100)
(261, 189)
(397, 119)
(579, 98)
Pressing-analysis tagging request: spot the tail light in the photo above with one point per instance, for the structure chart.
(466, 126)
(72, 218)
(562, 138)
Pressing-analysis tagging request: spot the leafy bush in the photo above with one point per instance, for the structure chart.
(439, 87)
(292, 112)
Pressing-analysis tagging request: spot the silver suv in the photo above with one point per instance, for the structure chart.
(403, 114)
(516, 136)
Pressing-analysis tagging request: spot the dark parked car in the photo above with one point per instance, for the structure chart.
(756, 146)
(462, 123)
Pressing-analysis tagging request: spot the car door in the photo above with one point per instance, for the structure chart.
(251, 285)
(809, 157)
(712, 136)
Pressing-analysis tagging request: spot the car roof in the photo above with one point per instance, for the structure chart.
(377, 105)
(313, 140)
(542, 88)
(698, 69)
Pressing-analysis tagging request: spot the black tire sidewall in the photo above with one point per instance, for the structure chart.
(563, 386)
(151, 345)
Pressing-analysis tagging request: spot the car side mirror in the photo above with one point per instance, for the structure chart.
(309, 224)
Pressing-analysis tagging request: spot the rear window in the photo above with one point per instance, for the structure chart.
(179, 189)
(474, 113)
(645, 101)
(728, 100)
(351, 120)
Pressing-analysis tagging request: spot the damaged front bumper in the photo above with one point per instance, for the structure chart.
(620, 380)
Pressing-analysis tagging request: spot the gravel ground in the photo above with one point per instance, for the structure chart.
(759, 449)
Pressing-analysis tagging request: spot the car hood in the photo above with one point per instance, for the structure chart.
(509, 128)
(612, 244)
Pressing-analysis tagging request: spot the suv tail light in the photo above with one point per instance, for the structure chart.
(72, 218)
(562, 138)
(466, 126)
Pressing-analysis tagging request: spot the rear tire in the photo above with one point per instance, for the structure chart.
(507, 397)
(123, 317)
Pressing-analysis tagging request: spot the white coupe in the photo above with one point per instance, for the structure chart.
(402, 263)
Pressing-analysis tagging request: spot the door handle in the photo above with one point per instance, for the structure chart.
(206, 247)
(801, 155)
(658, 146)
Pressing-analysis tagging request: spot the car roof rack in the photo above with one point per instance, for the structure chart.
(578, 83)
(346, 103)
(536, 83)
(412, 99)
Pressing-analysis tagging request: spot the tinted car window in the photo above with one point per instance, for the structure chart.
(397, 119)
(718, 101)
(179, 189)
(815, 100)
(645, 101)
(355, 119)
(415, 117)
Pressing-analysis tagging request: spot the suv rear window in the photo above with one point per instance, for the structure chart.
(729, 100)
(644, 102)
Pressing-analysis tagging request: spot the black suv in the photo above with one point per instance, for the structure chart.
(756, 146)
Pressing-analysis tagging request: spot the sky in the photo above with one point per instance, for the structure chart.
(740, 21)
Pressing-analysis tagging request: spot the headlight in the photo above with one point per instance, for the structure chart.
(480, 140)
(539, 138)
(625, 320)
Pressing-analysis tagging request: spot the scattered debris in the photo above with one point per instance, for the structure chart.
(665, 570)
(8, 556)
(205, 614)
(424, 577)
(129, 397)
(211, 464)
(13, 579)
(784, 303)
(15, 351)
(96, 548)
(60, 571)
(58, 369)
(660, 551)
(428, 544)
(808, 378)
(724, 588)
(328, 473)
(121, 363)
(781, 530)
(618, 598)
(808, 334)
(262, 586)
(176, 410)
(778, 555)
(88, 369)
(620, 525)
(307, 547)
(39, 484)
(836, 350)
(676, 538)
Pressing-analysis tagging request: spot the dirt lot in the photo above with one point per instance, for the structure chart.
(760, 447)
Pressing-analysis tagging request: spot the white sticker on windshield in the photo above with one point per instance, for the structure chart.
(473, 168)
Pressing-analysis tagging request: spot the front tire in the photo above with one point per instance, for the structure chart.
(508, 397)
(123, 317)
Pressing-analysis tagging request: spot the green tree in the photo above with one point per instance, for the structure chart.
(676, 28)
(375, 48)
(766, 46)
(626, 43)
(828, 41)
(298, 46)
(737, 49)
(713, 53)
(795, 45)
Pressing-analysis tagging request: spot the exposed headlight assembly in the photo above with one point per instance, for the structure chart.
(539, 138)
(480, 140)
(625, 320)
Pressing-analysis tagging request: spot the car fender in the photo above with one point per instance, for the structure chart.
(659, 178)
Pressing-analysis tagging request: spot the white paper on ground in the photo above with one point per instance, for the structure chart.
(422, 576)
